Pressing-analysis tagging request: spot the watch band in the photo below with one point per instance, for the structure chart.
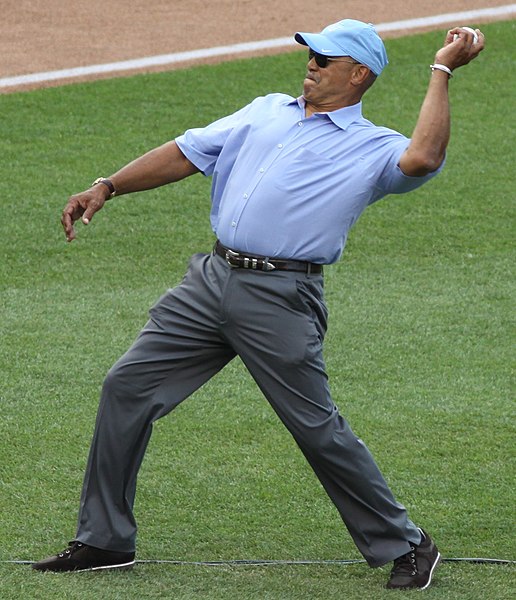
(108, 183)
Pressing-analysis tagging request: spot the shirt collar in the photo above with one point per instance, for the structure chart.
(343, 117)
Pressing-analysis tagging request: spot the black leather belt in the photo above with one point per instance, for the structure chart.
(240, 260)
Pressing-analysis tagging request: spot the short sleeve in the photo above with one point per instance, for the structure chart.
(202, 146)
(392, 180)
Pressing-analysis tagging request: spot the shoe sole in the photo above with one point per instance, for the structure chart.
(126, 566)
(437, 561)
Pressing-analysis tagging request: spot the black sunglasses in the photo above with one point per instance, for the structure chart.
(322, 61)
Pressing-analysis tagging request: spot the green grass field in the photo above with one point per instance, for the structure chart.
(419, 350)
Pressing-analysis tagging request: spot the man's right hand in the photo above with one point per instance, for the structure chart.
(165, 164)
(83, 206)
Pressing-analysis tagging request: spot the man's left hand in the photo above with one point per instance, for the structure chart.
(460, 51)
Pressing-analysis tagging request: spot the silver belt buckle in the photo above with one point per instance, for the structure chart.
(231, 254)
(247, 262)
(267, 266)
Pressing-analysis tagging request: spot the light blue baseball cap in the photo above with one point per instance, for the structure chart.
(349, 38)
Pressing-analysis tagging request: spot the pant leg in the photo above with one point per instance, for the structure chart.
(177, 351)
(279, 337)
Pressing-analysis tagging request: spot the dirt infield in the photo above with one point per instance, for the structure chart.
(37, 36)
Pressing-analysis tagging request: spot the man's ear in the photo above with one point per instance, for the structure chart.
(360, 75)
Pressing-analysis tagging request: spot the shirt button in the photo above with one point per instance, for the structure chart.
(233, 223)
(246, 196)
(280, 145)
(300, 124)
(262, 170)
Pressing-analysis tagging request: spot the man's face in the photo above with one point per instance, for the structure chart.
(328, 87)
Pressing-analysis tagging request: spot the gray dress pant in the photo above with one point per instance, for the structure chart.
(276, 323)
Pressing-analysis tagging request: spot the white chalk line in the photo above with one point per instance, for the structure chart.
(204, 53)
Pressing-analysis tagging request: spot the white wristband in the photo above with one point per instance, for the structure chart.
(442, 68)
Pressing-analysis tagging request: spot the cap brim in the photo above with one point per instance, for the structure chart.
(320, 43)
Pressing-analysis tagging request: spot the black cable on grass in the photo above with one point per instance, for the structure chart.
(250, 562)
(272, 563)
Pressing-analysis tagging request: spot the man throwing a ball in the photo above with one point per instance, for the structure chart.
(290, 177)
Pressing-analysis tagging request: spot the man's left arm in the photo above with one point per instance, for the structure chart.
(429, 139)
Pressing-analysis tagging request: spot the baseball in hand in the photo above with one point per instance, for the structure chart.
(469, 30)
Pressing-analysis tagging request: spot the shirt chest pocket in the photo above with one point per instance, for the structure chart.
(302, 170)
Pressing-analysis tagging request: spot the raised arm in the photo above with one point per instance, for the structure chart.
(432, 132)
(158, 167)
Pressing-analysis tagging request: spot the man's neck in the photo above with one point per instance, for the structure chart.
(311, 109)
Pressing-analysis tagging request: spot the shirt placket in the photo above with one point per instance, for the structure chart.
(279, 149)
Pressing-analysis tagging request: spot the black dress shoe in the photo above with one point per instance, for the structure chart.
(80, 557)
(416, 568)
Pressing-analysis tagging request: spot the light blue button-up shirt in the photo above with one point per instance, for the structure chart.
(291, 187)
